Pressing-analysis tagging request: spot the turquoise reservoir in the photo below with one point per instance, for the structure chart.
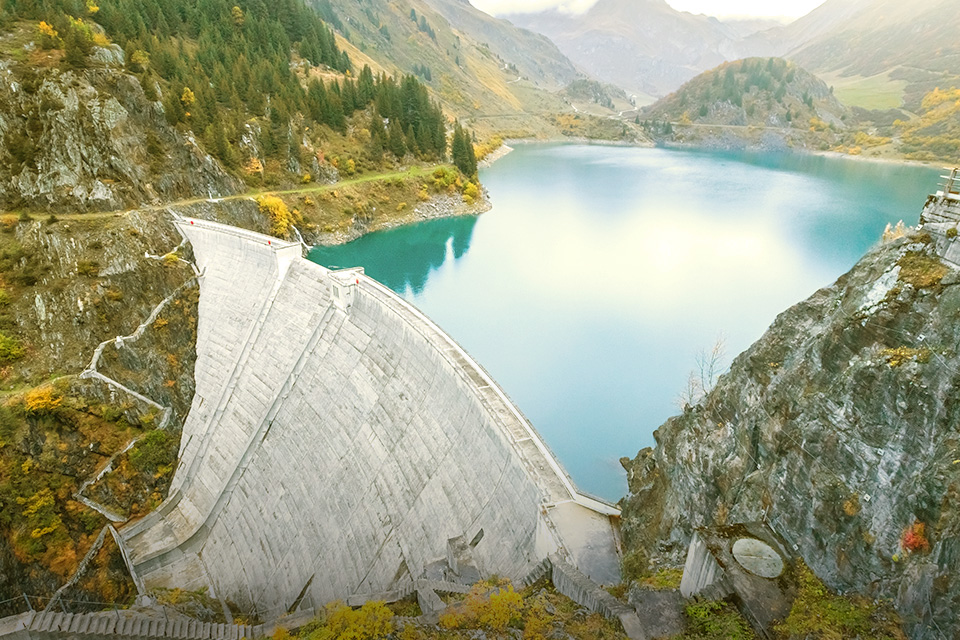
(600, 273)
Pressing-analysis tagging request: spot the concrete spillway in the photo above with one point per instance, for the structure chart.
(339, 439)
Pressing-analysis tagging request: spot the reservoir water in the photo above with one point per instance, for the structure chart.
(589, 288)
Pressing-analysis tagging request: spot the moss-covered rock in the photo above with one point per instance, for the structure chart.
(839, 428)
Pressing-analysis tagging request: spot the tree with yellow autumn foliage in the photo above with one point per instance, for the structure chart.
(372, 621)
(49, 37)
(281, 218)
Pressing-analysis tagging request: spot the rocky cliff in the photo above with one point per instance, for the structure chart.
(92, 140)
(839, 428)
(68, 286)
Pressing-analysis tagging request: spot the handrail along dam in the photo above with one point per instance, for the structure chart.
(339, 440)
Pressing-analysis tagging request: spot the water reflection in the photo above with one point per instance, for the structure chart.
(601, 271)
(403, 258)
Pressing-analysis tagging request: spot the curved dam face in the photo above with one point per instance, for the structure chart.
(339, 440)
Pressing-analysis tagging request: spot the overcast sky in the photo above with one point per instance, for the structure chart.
(722, 8)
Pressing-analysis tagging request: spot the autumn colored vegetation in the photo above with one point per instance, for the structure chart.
(50, 439)
(492, 608)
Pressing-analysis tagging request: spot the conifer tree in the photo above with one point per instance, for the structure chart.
(396, 143)
(461, 149)
(411, 141)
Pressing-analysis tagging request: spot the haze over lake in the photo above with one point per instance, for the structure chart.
(601, 271)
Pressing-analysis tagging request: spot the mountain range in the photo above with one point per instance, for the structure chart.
(647, 47)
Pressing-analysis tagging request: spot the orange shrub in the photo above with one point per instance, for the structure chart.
(914, 539)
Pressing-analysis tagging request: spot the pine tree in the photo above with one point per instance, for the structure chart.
(76, 48)
(395, 142)
(365, 86)
(378, 134)
(411, 141)
(334, 116)
(461, 149)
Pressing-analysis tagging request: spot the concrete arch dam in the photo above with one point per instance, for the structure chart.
(339, 443)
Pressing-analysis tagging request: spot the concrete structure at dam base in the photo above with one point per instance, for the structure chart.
(340, 443)
(150, 621)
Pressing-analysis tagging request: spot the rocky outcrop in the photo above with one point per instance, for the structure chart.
(92, 140)
(80, 281)
(839, 428)
(70, 285)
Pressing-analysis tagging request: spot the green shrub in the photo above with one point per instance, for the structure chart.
(10, 349)
(635, 565)
(22, 151)
(155, 450)
(921, 270)
(817, 613)
(371, 621)
(42, 401)
(715, 621)
(664, 579)
(89, 268)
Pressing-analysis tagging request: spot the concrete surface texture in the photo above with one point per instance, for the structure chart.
(940, 217)
(757, 557)
(339, 439)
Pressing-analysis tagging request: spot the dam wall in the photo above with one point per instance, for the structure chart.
(339, 442)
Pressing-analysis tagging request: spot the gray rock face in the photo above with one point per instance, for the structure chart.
(839, 427)
(92, 141)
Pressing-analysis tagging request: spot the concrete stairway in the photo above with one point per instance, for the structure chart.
(118, 624)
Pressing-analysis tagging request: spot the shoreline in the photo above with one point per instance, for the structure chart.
(495, 155)
(901, 161)
(441, 206)
(450, 206)
(511, 143)
(801, 151)
(596, 142)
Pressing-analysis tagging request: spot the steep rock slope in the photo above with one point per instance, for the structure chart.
(90, 139)
(68, 286)
(476, 66)
(839, 427)
(780, 39)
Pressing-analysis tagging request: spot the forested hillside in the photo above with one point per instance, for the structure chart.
(765, 101)
(756, 92)
(250, 80)
(109, 115)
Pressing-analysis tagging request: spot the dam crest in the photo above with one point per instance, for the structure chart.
(340, 443)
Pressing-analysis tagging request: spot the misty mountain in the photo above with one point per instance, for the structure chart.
(644, 46)
(531, 54)
(914, 43)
